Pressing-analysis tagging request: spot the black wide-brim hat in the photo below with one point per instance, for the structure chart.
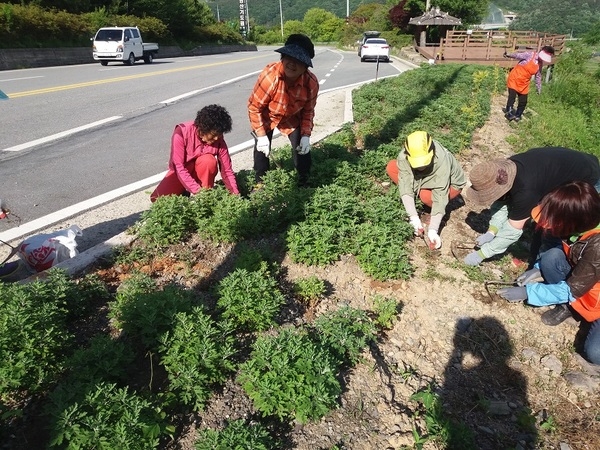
(296, 52)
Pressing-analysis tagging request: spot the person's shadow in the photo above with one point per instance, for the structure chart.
(483, 397)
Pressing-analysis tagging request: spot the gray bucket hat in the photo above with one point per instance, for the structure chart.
(297, 52)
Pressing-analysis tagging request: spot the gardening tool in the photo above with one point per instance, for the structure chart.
(461, 249)
(496, 283)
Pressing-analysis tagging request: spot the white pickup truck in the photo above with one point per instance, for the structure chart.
(122, 44)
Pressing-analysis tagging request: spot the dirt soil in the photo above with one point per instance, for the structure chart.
(512, 381)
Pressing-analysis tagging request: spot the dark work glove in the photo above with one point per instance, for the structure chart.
(513, 294)
(529, 276)
(473, 258)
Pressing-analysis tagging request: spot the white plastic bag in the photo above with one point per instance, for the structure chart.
(42, 251)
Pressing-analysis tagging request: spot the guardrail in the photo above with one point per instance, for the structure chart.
(25, 58)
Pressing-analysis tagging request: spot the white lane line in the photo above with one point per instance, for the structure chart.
(26, 145)
(23, 78)
(222, 83)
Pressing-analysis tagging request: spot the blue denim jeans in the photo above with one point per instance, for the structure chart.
(554, 265)
(591, 347)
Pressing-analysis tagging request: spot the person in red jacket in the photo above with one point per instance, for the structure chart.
(529, 65)
(569, 270)
(198, 151)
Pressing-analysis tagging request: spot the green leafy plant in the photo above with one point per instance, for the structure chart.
(196, 354)
(237, 434)
(220, 216)
(549, 425)
(249, 300)
(34, 335)
(146, 313)
(439, 427)
(309, 289)
(170, 220)
(291, 377)
(314, 242)
(381, 254)
(345, 333)
(385, 310)
(107, 417)
(103, 359)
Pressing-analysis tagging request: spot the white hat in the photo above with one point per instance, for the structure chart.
(544, 56)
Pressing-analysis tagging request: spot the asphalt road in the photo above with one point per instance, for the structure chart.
(74, 136)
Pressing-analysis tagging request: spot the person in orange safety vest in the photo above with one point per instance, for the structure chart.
(529, 65)
(569, 269)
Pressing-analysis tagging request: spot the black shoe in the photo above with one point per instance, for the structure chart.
(517, 118)
(556, 315)
(510, 115)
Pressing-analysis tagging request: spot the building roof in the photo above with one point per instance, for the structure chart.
(435, 17)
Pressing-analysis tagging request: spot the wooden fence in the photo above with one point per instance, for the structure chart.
(487, 47)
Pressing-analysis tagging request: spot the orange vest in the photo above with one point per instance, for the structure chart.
(588, 305)
(519, 77)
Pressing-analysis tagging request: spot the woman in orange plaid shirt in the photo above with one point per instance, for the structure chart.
(284, 97)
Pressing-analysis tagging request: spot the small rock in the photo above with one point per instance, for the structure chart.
(530, 354)
(588, 368)
(581, 381)
(499, 408)
(564, 446)
(485, 430)
(552, 363)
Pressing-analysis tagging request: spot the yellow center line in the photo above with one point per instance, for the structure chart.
(114, 80)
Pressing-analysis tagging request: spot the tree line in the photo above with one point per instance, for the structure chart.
(188, 23)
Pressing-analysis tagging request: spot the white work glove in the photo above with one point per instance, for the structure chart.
(435, 241)
(263, 145)
(304, 146)
(417, 225)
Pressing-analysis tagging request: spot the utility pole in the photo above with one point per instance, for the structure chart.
(281, 16)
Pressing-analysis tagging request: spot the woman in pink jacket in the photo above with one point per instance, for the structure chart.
(198, 152)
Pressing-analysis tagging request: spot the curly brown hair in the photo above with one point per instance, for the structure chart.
(213, 118)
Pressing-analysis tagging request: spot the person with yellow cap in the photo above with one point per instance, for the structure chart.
(567, 274)
(514, 186)
(426, 168)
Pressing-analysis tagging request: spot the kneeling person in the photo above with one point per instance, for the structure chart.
(198, 152)
(427, 169)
